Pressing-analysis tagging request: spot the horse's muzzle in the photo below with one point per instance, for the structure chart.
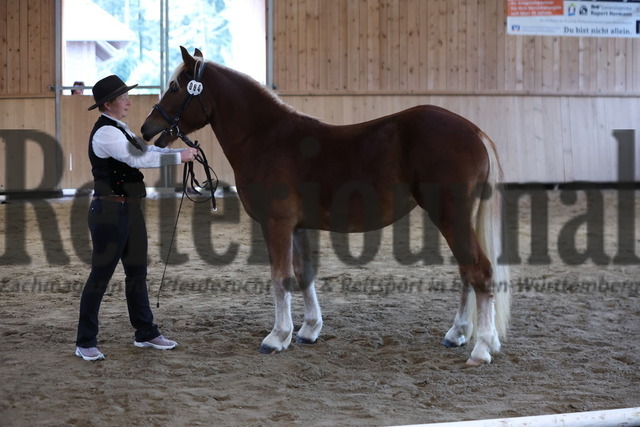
(149, 131)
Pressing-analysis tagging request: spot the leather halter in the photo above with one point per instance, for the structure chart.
(194, 88)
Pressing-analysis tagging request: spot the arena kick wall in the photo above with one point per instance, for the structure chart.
(550, 103)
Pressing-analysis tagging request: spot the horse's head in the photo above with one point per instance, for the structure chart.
(178, 112)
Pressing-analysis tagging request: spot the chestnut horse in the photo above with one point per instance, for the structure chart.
(294, 173)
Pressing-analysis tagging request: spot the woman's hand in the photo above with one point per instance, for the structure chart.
(188, 155)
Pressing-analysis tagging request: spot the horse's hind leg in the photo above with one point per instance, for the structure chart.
(305, 274)
(476, 270)
(452, 216)
(462, 328)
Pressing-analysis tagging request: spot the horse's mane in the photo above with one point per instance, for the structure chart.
(245, 78)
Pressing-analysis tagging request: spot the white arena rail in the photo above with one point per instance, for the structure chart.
(626, 417)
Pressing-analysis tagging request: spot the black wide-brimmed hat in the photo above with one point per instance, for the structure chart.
(107, 89)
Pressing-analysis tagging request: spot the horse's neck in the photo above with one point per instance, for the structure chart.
(241, 109)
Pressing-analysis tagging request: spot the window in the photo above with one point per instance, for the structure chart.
(126, 37)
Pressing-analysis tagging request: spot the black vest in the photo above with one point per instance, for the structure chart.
(110, 176)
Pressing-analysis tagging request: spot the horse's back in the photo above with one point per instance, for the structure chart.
(423, 143)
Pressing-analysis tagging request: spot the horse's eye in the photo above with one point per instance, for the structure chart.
(173, 87)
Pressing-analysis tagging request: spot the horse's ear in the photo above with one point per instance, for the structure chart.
(186, 58)
(197, 53)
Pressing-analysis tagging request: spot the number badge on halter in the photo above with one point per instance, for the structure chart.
(194, 88)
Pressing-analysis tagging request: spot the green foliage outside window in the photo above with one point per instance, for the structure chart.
(199, 24)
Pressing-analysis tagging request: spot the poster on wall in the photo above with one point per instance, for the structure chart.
(574, 18)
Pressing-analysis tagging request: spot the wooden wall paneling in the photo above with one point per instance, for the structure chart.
(23, 43)
(584, 66)
(345, 53)
(362, 58)
(26, 48)
(331, 49)
(463, 30)
(557, 70)
(312, 46)
(373, 45)
(413, 54)
(13, 46)
(445, 47)
(630, 72)
(482, 39)
(76, 124)
(442, 47)
(514, 76)
(546, 64)
(381, 57)
(538, 156)
(35, 157)
(587, 151)
(611, 64)
(455, 46)
(4, 45)
(427, 38)
(512, 152)
(491, 47)
(567, 142)
(472, 42)
(352, 54)
(513, 48)
(435, 43)
(620, 84)
(530, 66)
(604, 157)
(507, 138)
(325, 50)
(594, 54)
(29, 114)
(33, 38)
(583, 129)
(500, 36)
(568, 65)
(302, 55)
(536, 64)
(600, 75)
(394, 73)
(295, 53)
(405, 41)
(551, 142)
(281, 43)
(47, 50)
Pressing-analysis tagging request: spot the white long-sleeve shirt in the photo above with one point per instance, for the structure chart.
(109, 141)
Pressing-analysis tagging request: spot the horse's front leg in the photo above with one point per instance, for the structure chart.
(306, 274)
(279, 246)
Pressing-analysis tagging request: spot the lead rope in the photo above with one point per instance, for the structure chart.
(173, 235)
(189, 175)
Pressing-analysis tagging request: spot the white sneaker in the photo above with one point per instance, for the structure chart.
(159, 343)
(90, 354)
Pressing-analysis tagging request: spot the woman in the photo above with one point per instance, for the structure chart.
(117, 226)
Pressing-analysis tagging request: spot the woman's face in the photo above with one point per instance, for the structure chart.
(118, 108)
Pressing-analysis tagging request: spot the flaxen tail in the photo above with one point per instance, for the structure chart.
(489, 232)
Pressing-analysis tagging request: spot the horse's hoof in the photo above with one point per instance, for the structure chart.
(303, 340)
(265, 349)
(450, 344)
(476, 362)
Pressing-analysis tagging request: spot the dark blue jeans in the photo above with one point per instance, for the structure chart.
(119, 233)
